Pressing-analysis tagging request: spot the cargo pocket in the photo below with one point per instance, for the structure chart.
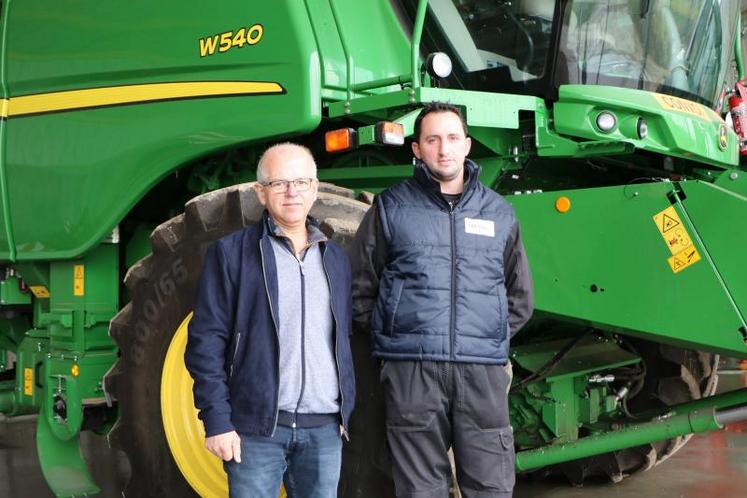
(484, 399)
(506, 473)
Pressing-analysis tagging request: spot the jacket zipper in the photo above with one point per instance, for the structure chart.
(303, 342)
(235, 350)
(277, 336)
(337, 356)
(452, 318)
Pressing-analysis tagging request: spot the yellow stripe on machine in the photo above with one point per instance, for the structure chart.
(131, 94)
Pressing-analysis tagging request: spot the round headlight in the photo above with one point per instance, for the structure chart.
(606, 121)
(438, 65)
(642, 128)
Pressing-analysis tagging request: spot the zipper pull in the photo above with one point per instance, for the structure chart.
(345, 434)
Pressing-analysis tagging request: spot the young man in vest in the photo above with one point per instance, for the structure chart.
(269, 343)
(441, 278)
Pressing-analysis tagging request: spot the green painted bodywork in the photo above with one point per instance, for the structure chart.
(62, 358)
(12, 294)
(692, 132)
(96, 164)
(68, 178)
(604, 263)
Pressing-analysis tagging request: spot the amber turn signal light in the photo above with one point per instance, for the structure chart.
(339, 140)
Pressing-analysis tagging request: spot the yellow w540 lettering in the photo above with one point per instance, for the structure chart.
(223, 42)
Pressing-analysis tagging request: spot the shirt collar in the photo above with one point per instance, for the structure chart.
(312, 227)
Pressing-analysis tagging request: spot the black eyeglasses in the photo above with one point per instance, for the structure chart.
(280, 186)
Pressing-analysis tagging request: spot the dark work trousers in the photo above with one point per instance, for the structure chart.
(432, 406)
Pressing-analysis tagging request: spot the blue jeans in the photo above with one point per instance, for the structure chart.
(306, 460)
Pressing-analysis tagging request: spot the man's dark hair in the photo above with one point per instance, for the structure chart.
(438, 107)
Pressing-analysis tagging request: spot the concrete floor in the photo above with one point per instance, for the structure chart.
(713, 465)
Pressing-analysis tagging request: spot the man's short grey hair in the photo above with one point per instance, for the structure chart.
(277, 148)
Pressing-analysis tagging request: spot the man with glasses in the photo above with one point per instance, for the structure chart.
(268, 344)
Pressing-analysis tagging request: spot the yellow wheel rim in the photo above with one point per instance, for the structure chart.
(184, 431)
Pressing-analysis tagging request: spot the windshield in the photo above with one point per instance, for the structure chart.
(487, 34)
(679, 47)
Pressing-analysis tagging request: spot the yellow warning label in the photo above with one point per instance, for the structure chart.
(28, 381)
(671, 228)
(39, 291)
(677, 238)
(683, 259)
(78, 280)
(677, 104)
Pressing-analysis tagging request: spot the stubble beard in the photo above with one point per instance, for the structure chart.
(441, 177)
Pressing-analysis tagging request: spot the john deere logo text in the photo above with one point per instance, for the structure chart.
(224, 42)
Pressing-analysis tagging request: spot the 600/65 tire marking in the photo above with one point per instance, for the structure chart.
(165, 286)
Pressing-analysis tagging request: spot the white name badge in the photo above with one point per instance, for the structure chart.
(479, 227)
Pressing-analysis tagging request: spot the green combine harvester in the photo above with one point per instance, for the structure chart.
(129, 132)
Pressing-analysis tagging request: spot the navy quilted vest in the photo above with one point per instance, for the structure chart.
(442, 295)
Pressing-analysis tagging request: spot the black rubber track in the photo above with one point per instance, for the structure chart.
(162, 286)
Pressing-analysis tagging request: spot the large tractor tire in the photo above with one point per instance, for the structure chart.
(673, 376)
(158, 427)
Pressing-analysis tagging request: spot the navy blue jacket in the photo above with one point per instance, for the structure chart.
(441, 294)
(232, 350)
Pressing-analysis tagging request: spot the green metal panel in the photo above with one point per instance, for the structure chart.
(382, 53)
(30, 358)
(75, 390)
(605, 263)
(676, 127)
(481, 108)
(720, 217)
(83, 293)
(377, 178)
(95, 164)
(11, 293)
(567, 398)
(62, 462)
(591, 354)
(561, 416)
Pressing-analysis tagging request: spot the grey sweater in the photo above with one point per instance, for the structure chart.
(308, 370)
